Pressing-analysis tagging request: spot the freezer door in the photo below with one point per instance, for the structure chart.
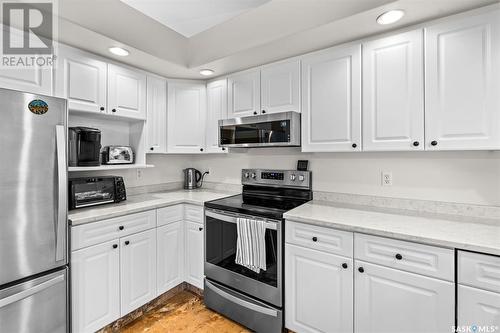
(33, 184)
(39, 305)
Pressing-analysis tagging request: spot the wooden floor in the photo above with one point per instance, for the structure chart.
(186, 313)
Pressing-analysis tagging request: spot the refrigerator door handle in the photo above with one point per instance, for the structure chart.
(62, 183)
(31, 291)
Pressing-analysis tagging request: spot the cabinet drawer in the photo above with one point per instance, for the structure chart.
(319, 238)
(170, 214)
(412, 257)
(193, 213)
(105, 230)
(479, 270)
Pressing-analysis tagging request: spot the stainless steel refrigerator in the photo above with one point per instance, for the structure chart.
(33, 213)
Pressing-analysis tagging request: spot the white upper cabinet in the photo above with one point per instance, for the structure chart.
(35, 80)
(393, 92)
(216, 110)
(126, 92)
(462, 83)
(138, 270)
(81, 79)
(331, 100)
(280, 87)
(186, 117)
(156, 115)
(244, 94)
(389, 300)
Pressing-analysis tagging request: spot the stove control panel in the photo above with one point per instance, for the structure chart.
(282, 178)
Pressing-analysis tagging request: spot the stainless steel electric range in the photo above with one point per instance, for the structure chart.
(252, 299)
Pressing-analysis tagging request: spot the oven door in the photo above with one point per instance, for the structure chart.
(220, 253)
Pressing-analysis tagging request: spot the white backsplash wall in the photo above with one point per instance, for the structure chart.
(168, 168)
(463, 177)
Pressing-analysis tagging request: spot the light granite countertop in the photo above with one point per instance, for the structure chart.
(143, 202)
(479, 235)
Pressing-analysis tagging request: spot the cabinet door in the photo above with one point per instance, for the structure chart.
(393, 301)
(331, 100)
(478, 307)
(186, 117)
(137, 270)
(194, 254)
(35, 80)
(126, 92)
(81, 79)
(244, 94)
(325, 305)
(462, 81)
(95, 286)
(170, 266)
(216, 110)
(393, 93)
(280, 87)
(157, 115)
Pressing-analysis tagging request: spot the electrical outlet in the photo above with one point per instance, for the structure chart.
(386, 178)
(139, 174)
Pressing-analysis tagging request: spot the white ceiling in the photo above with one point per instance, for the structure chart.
(190, 17)
(273, 30)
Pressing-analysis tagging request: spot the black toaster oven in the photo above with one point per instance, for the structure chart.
(92, 191)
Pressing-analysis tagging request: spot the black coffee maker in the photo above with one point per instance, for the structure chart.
(84, 146)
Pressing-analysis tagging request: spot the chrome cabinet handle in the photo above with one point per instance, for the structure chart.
(62, 181)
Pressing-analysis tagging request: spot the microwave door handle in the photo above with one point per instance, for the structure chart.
(270, 136)
(62, 180)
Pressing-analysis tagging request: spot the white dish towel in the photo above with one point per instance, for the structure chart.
(251, 244)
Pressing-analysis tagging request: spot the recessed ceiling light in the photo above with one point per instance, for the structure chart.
(206, 72)
(119, 51)
(391, 16)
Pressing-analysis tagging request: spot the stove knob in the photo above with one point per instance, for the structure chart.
(246, 175)
(301, 178)
(253, 175)
(292, 177)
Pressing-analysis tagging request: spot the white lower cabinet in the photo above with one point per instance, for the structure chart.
(318, 291)
(137, 270)
(122, 263)
(478, 307)
(170, 256)
(194, 254)
(478, 291)
(392, 301)
(95, 283)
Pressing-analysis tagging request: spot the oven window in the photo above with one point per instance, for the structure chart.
(266, 132)
(221, 251)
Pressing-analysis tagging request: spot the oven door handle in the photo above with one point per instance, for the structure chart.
(241, 302)
(234, 219)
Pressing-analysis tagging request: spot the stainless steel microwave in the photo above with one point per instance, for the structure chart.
(272, 130)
